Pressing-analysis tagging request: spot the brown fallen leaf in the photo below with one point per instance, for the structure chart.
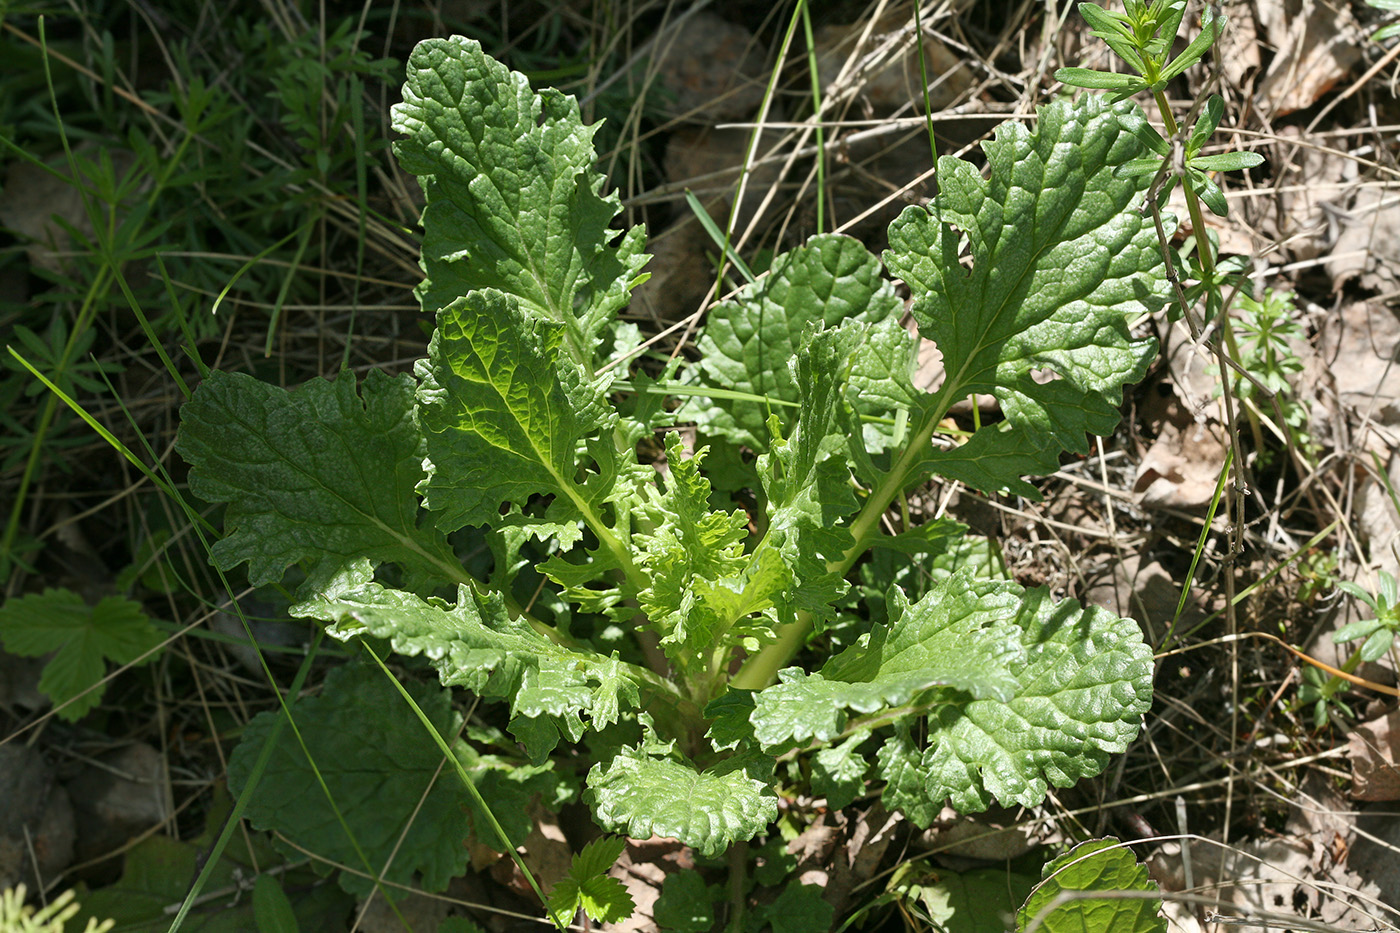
(1374, 749)
(1317, 44)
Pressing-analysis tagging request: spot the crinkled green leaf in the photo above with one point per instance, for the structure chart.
(503, 418)
(900, 762)
(1061, 262)
(514, 202)
(748, 343)
(961, 635)
(1097, 865)
(321, 473)
(474, 643)
(1083, 681)
(84, 638)
(642, 796)
(378, 764)
(838, 771)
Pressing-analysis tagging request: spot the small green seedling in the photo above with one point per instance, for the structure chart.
(1380, 630)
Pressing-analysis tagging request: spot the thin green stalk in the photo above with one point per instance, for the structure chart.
(467, 782)
(816, 113)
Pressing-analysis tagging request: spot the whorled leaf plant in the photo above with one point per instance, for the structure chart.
(662, 645)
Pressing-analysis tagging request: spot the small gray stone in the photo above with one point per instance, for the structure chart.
(36, 820)
(119, 796)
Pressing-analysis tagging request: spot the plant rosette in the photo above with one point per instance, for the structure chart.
(643, 629)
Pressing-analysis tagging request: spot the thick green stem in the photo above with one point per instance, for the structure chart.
(762, 669)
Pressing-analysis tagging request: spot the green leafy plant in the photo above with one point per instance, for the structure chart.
(1318, 688)
(630, 610)
(514, 425)
(1379, 630)
(82, 637)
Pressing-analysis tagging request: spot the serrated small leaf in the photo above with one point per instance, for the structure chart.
(598, 856)
(588, 886)
(323, 473)
(838, 772)
(84, 638)
(1098, 865)
(644, 796)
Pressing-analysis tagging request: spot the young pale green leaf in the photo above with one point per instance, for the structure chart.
(900, 765)
(1208, 191)
(700, 581)
(1361, 628)
(503, 415)
(514, 202)
(84, 637)
(961, 635)
(1061, 261)
(1377, 646)
(321, 473)
(474, 643)
(1209, 119)
(1227, 161)
(1211, 26)
(642, 796)
(806, 480)
(1100, 865)
(749, 343)
(1100, 80)
(378, 765)
(1084, 680)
